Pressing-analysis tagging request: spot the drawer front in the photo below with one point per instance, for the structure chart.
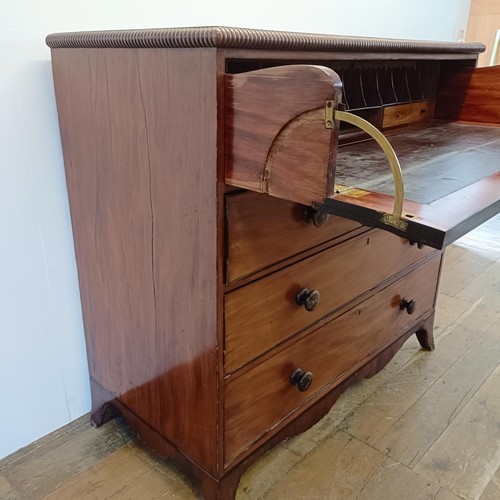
(263, 313)
(262, 397)
(263, 230)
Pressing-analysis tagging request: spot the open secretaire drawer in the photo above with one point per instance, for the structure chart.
(425, 164)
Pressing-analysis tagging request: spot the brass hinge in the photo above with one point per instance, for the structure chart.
(329, 114)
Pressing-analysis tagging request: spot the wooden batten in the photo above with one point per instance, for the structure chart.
(407, 114)
(277, 141)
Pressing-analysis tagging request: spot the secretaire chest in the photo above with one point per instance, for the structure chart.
(244, 242)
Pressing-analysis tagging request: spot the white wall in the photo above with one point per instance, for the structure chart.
(43, 372)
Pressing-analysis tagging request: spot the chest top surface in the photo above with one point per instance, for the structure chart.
(243, 38)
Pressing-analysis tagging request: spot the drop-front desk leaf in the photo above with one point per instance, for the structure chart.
(245, 249)
(451, 186)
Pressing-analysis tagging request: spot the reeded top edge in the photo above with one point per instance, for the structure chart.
(242, 38)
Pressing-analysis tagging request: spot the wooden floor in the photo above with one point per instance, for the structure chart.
(427, 426)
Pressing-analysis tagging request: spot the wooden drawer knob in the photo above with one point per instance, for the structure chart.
(308, 299)
(409, 305)
(418, 243)
(315, 216)
(302, 380)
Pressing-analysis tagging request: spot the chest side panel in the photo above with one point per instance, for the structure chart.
(139, 138)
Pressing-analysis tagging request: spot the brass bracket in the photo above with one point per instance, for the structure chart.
(395, 219)
(329, 114)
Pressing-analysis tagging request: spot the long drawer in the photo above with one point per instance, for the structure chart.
(263, 313)
(259, 399)
(263, 230)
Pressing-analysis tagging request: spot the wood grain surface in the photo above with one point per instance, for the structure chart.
(276, 139)
(264, 313)
(145, 257)
(262, 230)
(471, 95)
(334, 351)
(437, 224)
(407, 114)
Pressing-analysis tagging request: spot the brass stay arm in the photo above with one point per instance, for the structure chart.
(394, 219)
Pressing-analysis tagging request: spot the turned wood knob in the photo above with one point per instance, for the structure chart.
(308, 299)
(418, 243)
(409, 305)
(302, 380)
(315, 216)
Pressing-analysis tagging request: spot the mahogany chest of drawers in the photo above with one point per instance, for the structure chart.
(243, 250)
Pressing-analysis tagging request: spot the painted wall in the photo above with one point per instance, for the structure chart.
(43, 372)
